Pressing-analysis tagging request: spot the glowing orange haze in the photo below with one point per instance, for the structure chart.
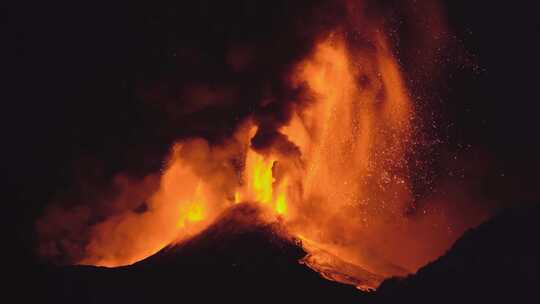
(343, 195)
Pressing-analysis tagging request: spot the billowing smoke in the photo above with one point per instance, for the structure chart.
(317, 110)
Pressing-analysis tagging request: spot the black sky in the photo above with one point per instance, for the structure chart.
(79, 77)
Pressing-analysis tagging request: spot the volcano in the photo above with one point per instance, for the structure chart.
(333, 155)
(280, 151)
(238, 257)
(247, 260)
(241, 228)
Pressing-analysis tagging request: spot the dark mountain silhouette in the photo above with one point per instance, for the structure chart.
(498, 261)
(237, 258)
(243, 260)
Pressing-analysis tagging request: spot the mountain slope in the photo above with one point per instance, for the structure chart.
(498, 261)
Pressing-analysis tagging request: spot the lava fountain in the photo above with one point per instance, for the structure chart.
(335, 175)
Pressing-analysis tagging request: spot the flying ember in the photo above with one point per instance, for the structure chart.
(334, 174)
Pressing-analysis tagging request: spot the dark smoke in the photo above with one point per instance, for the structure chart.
(193, 70)
(198, 70)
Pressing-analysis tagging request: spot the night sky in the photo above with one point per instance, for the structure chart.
(91, 90)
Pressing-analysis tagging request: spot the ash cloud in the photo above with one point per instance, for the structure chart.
(193, 70)
(200, 70)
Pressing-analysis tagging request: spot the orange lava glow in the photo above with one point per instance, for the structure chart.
(352, 139)
(342, 196)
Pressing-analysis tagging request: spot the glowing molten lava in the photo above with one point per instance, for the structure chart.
(347, 179)
(261, 185)
(336, 177)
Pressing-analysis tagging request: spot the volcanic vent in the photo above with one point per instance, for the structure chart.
(324, 160)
